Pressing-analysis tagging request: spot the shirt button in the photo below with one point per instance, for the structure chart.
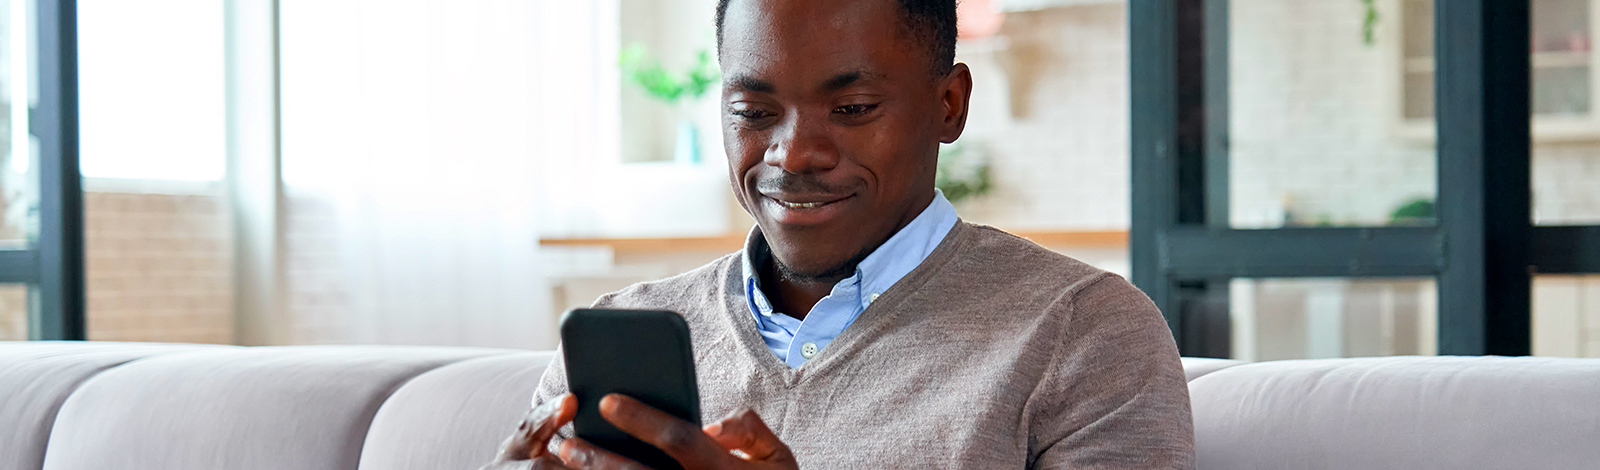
(807, 350)
(872, 297)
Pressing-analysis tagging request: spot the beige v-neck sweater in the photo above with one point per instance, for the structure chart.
(993, 353)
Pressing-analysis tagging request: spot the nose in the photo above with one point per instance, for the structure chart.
(801, 145)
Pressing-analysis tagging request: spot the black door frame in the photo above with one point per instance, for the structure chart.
(53, 267)
(1483, 251)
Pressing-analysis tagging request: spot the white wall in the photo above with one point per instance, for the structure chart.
(1050, 109)
(1313, 126)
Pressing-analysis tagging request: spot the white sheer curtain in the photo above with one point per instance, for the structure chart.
(416, 137)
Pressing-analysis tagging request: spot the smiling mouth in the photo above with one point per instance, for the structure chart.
(792, 205)
(803, 205)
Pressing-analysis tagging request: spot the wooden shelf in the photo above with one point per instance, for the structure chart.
(1076, 238)
(734, 241)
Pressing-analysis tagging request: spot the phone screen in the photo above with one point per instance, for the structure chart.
(644, 354)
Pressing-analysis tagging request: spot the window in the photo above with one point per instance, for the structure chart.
(151, 84)
(1221, 286)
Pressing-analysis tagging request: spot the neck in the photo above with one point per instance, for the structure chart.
(795, 296)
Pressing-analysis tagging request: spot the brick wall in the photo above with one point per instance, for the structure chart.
(13, 312)
(159, 267)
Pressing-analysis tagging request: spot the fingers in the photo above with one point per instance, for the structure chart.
(579, 454)
(744, 431)
(552, 420)
(685, 442)
(532, 438)
(542, 463)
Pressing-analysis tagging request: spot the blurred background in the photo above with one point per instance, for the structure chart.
(461, 173)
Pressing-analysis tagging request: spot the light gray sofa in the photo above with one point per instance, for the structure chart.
(108, 406)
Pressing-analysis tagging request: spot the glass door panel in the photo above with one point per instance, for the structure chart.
(1566, 316)
(19, 171)
(1566, 148)
(1322, 105)
(1314, 318)
(15, 310)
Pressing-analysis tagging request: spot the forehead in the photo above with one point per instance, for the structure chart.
(811, 40)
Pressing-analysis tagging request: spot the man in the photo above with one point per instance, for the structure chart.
(864, 325)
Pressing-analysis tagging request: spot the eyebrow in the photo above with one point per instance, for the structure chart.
(748, 83)
(835, 83)
(845, 79)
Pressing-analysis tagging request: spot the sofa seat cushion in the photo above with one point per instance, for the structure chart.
(454, 416)
(37, 376)
(1196, 367)
(1400, 413)
(296, 407)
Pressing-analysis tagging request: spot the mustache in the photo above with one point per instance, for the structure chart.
(790, 183)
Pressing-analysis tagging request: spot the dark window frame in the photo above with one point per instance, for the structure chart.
(53, 267)
(1483, 251)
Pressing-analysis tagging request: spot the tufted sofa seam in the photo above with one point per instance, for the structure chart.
(387, 394)
(55, 410)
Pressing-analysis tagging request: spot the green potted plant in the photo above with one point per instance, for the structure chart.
(679, 90)
(962, 174)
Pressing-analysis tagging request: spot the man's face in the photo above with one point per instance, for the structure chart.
(832, 119)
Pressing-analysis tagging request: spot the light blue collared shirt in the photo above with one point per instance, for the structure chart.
(796, 341)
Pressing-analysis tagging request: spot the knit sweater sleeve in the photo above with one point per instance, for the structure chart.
(1115, 396)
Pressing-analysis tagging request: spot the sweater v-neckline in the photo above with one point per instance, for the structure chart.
(877, 316)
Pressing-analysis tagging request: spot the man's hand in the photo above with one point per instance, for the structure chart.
(529, 447)
(740, 441)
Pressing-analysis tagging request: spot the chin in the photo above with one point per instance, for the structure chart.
(811, 256)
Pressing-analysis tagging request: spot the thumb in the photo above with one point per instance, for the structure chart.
(746, 432)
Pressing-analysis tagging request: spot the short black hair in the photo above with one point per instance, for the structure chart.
(932, 22)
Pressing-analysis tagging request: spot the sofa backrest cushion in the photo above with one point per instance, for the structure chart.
(37, 376)
(299, 407)
(453, 417)
(1414, 413)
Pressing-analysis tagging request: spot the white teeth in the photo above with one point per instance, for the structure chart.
(801, 205)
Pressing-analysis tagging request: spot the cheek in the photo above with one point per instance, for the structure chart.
(739, 142)
(891, 157)
(744, 151)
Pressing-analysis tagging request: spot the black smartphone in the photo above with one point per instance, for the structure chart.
(644, 354)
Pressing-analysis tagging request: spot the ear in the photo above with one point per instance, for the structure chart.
(956, 94)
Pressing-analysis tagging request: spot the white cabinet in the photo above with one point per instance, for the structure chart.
(1564, 79)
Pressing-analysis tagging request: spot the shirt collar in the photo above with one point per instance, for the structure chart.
(881, 269)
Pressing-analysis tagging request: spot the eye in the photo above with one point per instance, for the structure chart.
(750, 114)
(855, 109)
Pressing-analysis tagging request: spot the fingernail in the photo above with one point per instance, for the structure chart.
(543, 411)
(713, 429)
(576, 457)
